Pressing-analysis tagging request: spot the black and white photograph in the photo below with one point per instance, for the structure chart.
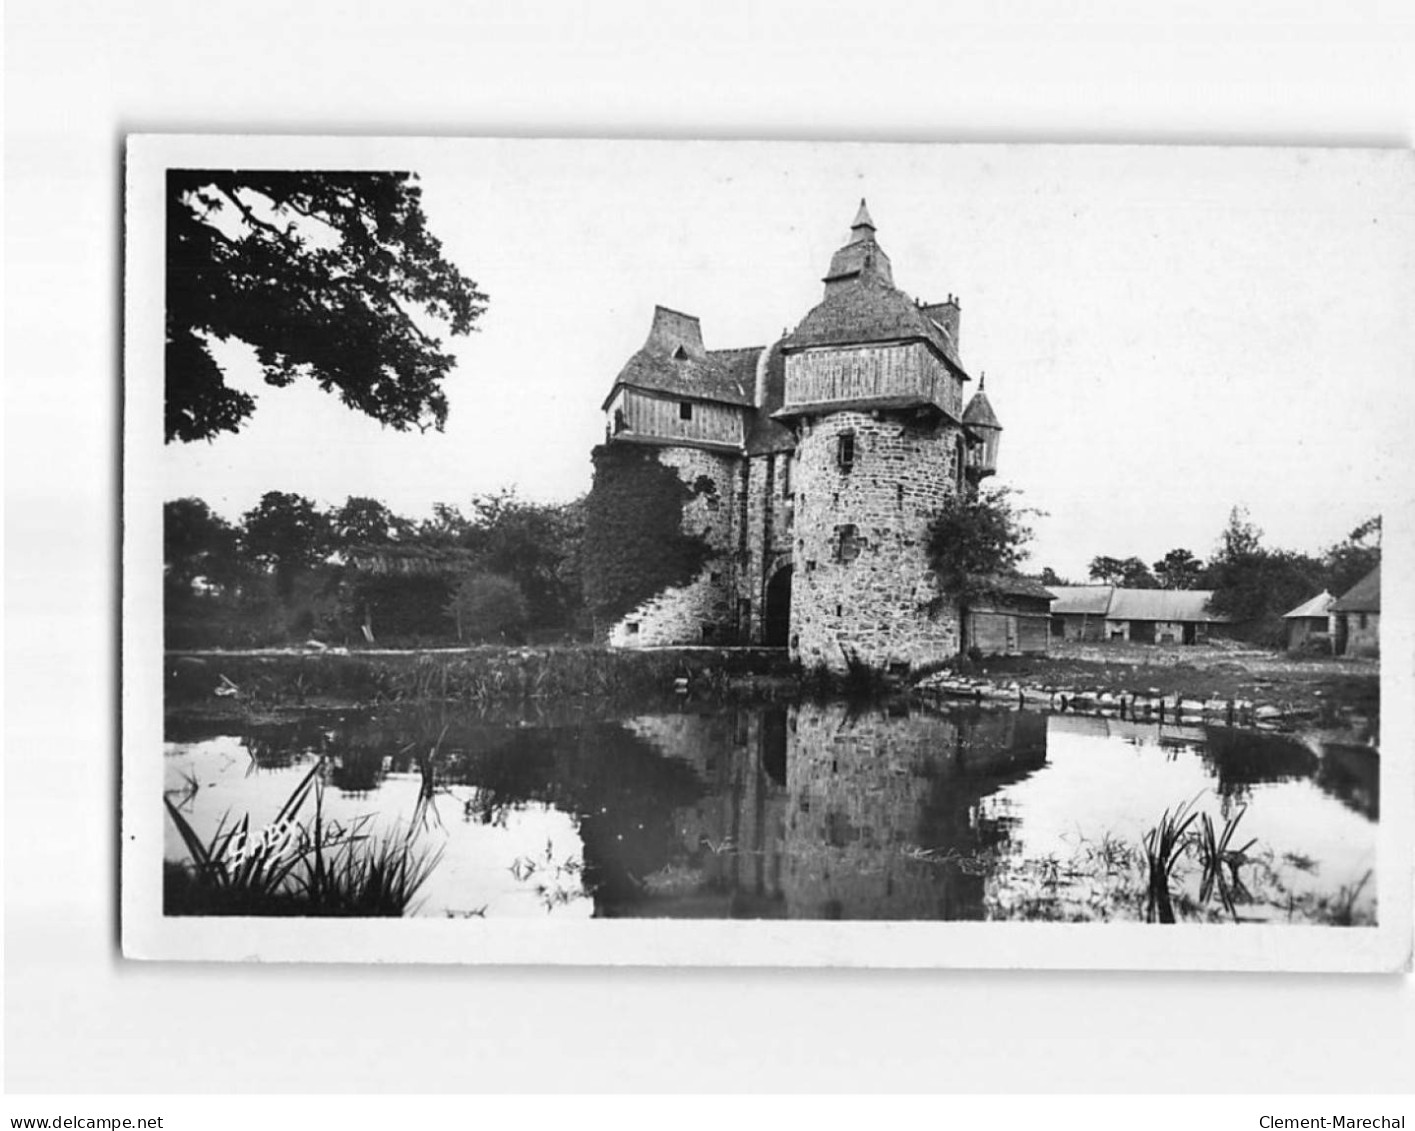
(730, 552)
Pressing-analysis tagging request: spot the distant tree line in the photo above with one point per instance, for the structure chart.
(288, 570)
(1252, 582)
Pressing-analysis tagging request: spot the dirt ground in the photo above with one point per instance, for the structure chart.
(1211, 671)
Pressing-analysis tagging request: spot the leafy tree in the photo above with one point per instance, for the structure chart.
(332, 276)
(1130, 572)
(1349, 561)
(1179, 569)
(287, 534)
(1240, 538)
(1106, 569)
(198, 545)
(1256, 585)
(487, 606)
(1135, 574)
(448, 526)
(537, 544)
(975, 536)
(362, 521)
(1049, 576)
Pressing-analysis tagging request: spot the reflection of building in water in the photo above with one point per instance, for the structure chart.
(730, 838)
(1170, 736)
(818, 811)
(870, 794)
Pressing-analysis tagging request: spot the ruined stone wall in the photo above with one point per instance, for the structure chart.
(702, 611)
(862, 583)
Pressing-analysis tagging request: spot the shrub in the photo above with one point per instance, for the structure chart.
(487, 606)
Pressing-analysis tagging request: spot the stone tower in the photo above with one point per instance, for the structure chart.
(874, 394)
(805, 473)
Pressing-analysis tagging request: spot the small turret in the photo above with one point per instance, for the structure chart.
(982, 422)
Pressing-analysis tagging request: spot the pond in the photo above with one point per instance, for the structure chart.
(809, 810)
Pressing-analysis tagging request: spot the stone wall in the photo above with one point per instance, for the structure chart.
(703, 611)
(862, 582)
(1363, 634)
(769, 519)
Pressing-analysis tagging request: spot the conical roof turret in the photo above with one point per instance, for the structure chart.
(979, 412)
(862, 219)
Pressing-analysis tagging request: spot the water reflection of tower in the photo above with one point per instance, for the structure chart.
(732, 834)
(883, 820)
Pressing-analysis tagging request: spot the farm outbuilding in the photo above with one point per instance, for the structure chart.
(1138, 616)
(1161, 616)
(1356, 618)
(1309, 623)
(1012, 618)
(1078, 611)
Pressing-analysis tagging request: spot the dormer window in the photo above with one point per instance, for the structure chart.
(845, 451)
(685, 410)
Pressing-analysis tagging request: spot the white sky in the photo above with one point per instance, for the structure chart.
(1166, 332)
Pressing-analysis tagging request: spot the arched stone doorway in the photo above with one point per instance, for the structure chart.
(777, 628)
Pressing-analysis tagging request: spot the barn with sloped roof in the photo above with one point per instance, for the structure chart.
(1356, 616)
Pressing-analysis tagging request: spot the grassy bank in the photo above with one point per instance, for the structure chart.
(252, 680)
(1202, 673)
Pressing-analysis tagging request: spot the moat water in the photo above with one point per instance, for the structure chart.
(811, 810)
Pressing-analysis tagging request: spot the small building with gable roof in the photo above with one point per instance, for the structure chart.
(1356, 618)
(1309, 623)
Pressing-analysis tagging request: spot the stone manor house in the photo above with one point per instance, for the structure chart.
(818, 464)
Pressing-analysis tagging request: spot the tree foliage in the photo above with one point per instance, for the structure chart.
(976, 536)
(1350, 560)
(634, 545)
(1179, 569)
(487, 606)
(1130, 572)
(285, 533)
(331, 276)
(1256, 585)
(362, 521)
(198, 546)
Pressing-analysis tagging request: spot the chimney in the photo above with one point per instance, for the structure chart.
(947, 314)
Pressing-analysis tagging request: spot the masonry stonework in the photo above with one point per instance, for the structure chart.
(864, 590)
(816, 467)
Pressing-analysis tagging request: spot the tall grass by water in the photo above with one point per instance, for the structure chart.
(298, 865)
(475, 675)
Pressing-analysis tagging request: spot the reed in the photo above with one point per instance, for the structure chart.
(1220, 863)
(1164, 845)
(297, 865)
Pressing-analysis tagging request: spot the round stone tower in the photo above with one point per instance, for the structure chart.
(874, 392)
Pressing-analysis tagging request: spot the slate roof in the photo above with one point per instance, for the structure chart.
(1316, 607)
(867, 308)
(979, 412)
(1363, 597)
(412, 558)
(862, 304)
(1011, 585)
(1164, 604)
(1081, 600)
(673, 361)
